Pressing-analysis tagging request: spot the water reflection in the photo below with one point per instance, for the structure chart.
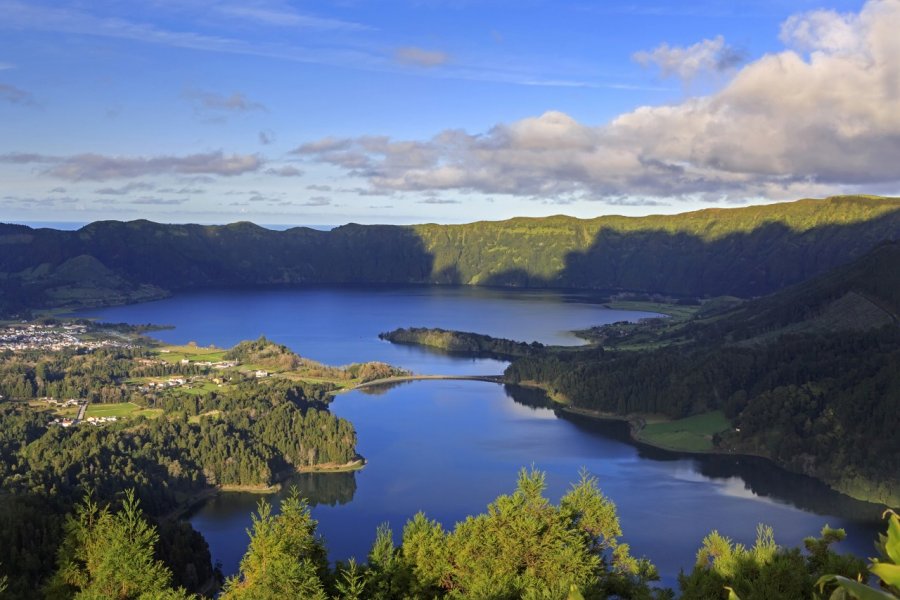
(383, 388)
(329, 489)
(747, 477)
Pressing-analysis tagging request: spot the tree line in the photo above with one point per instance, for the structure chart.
(523, 546)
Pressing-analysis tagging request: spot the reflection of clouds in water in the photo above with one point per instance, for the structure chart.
(684, 471)
(733, 487)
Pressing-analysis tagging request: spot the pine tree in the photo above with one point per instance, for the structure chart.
(285, 558)
(111, 556)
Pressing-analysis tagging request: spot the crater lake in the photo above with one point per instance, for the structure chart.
(448, 448)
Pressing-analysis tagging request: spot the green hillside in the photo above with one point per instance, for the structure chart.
(808, 376)
(741, 252)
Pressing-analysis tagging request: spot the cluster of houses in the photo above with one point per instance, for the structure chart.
(101, 420)
(32, 336)
(161, 385)
(97, 421)
(222, 364)
(61, 403)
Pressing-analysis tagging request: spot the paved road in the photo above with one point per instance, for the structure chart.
(82, 408)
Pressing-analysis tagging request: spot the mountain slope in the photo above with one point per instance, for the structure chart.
(809, 377)
(743, 251)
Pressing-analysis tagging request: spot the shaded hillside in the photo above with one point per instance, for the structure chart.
(860, 296)
(744, 252)
(741, 251)
(809, 376)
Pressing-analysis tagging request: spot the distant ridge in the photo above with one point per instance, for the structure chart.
(744, 252)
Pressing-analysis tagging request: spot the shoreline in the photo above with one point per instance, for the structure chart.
(194, 501)
(636, 424)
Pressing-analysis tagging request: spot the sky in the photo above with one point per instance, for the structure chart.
(409, 111)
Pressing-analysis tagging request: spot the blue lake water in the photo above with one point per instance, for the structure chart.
(450, 447)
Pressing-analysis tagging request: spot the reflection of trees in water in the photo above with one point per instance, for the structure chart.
(767, 480)
(330, 489)
(760, 476)
(533, 398)
(383, 388)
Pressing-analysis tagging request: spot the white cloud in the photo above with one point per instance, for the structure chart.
(285, 171)
(786, 124)
(711, 55)
(823, 30)
(97, 167)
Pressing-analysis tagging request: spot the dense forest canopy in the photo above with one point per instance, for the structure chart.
(808, 376)
(183, 427)
(741, 251)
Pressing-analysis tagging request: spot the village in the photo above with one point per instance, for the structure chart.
(36, 336)
(74, 411)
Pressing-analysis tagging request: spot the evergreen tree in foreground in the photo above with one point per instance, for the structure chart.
(110, 556)
(522, 547)
(285, 558)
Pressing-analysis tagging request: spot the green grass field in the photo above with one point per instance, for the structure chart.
(676, 311)
(200, 390)
(214, 414)
(121, 410)
(693, 434)
(174, 354)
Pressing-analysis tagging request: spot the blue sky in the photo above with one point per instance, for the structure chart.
(403, 111)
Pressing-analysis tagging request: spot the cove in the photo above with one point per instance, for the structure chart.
(450, 447)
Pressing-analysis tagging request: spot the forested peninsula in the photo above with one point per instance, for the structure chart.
(808, 377)
(86, 412)
(742, 252)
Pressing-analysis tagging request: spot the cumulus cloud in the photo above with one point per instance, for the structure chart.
(13, 95)
(285, 171)
(97, 167)
(818, 117)
(686, 63)
(419, 57)
(823, 30)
